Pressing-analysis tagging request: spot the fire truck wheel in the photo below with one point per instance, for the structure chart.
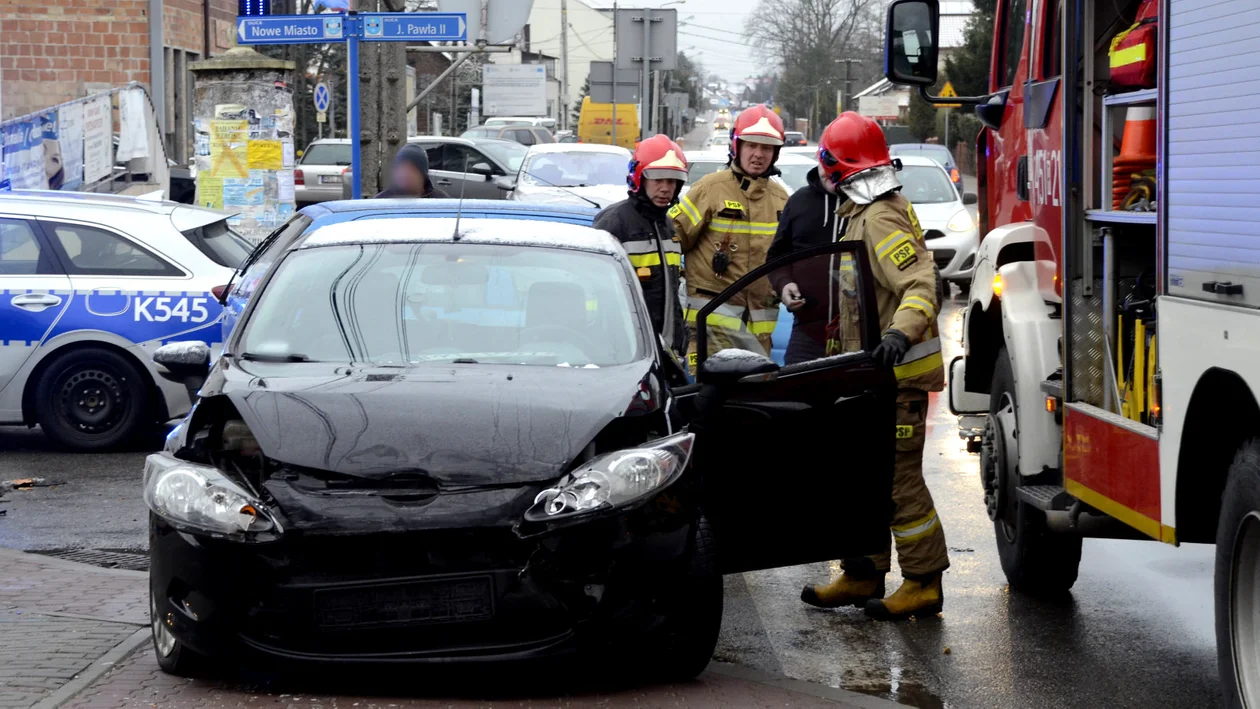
(1238, 580)
(1035, 560)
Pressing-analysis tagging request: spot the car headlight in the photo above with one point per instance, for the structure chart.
(615, 479)
(201, 499)
(961, 221)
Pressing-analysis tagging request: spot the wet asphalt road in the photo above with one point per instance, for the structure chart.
(1137, 631)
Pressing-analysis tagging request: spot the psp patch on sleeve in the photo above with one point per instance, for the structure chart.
(674, 211)
(903, 256)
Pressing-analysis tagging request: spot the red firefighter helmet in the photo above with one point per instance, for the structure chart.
(756, 124)
(852, 144)
(657, 158)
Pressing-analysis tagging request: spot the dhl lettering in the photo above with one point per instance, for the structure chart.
(606, 121)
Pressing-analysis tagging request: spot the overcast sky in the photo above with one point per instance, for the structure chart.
(713, 31)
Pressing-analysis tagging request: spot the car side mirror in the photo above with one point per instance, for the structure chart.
(505, 183)
(970, 198)
(910, 52)
(186, 363)
(728, 366)
(482, 168)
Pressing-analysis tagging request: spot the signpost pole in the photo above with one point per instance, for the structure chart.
(645, 101)
(352, 69)
(614, 77)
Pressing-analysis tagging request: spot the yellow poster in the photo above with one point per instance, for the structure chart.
(265, 155)
(210, 192)
(229, 152)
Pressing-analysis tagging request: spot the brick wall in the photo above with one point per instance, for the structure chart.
(56, 50)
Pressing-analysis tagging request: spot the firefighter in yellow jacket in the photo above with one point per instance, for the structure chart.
(725, 224)
(853, 154)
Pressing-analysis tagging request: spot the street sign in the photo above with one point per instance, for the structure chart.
(504, 18)
(322, 97)
(661, 28)
(290, 29)
(514, 89)
(321, 117)
(415, 27)
(886, 107)
(948, 92)
(601, 77)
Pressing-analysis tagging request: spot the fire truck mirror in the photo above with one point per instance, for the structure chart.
(911, 49)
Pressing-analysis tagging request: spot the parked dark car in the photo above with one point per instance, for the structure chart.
(939, 153)
(433, 442)
(794, 138)
(525, 135)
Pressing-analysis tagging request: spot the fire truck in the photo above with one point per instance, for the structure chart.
(1112, 332)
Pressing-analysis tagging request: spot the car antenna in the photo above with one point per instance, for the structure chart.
(459, 211)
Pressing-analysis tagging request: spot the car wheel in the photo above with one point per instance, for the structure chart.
(1035, 560)
(964, 287)
(92, 399)
(1237, 586)
(172, 657)
(691, 626)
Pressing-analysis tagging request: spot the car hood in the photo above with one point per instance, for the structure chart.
(604, 195)
(452, 424)
(936, 215)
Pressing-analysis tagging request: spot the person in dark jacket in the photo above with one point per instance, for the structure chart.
(808, 219)
(641, 223)
(410, 176)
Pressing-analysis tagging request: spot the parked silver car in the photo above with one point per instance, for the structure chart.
(318, 174)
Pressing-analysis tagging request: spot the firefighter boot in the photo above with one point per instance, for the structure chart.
(848, 590)
(920, 598)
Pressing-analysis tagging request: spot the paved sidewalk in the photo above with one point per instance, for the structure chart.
(76, 636)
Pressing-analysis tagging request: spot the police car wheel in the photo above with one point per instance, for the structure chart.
(92, 399)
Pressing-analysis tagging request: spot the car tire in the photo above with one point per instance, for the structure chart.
(690, 631)
(172, 656)
(93, 399)
(964, 287)
(1036, 560)
(1236, 589)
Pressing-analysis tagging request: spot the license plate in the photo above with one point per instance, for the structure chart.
(330, 179)
(458, 600)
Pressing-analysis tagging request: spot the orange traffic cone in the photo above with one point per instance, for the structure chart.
(1137, 151)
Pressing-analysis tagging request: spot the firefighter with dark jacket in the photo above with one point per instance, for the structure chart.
(809, 219)
(726, 223)
(657, 172)
(854, 156)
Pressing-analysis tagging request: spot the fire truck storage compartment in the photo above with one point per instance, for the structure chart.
(1213, 157)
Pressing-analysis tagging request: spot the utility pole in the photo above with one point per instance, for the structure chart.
(614, 76)
(564, 60)
(848, 82)
(383, 119)
(657, 121)
(645, 101)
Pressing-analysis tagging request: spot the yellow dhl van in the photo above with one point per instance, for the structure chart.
(596, 121)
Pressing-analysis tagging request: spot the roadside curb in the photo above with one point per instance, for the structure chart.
(844, 696)
(94, 671)
(31, 557)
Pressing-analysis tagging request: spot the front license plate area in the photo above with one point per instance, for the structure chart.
(452, 600)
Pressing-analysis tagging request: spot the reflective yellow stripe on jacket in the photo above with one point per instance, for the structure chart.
(644, 253)
(739, 226)
(689, 208)
(921, 358)
(761, 321)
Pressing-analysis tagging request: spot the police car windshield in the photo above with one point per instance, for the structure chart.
(576, 169)
(408, 304)
(926, 184)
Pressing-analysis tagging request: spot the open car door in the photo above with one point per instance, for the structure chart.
(795, 462)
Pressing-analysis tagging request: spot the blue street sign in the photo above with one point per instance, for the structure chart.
(290, 29)
(415, 26)
(321, 96)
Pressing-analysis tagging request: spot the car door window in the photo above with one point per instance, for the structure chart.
(436, 156)
(459, 158)
(524, 137)
(821, 429)
(20, 250)
(91, 251)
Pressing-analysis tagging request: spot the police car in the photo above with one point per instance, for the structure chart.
(90, 285)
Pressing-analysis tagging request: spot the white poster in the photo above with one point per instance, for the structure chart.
(98, 147)
(24, 155)
(133, 137)
(70, 140)
(514, 89)
(284, 184)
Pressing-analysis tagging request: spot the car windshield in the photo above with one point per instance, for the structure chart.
(400, 304)
(795, 175)
(327, 154)
(700, 168)
(508, 122)
(939, 153)
(926, 184)
(507, 153)
(480, 133)
(719, 140)
(576, 169)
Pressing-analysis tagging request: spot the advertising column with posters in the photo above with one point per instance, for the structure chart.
(245, 162)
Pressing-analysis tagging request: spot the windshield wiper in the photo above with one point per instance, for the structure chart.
(292, 357)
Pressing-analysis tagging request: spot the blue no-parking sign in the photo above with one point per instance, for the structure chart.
(321, 96)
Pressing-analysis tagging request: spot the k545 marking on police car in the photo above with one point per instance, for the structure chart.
(163, 308)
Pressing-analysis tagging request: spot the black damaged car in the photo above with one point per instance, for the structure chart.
(436, 442)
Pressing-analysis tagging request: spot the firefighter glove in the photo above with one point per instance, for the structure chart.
(891, 349)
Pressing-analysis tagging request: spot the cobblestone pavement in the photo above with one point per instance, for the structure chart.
(75, 636)
(57, 619)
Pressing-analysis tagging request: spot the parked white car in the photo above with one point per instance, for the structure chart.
(948, 227)
(570, 173)
(318, 175)
(90, 286)
(794, 168)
